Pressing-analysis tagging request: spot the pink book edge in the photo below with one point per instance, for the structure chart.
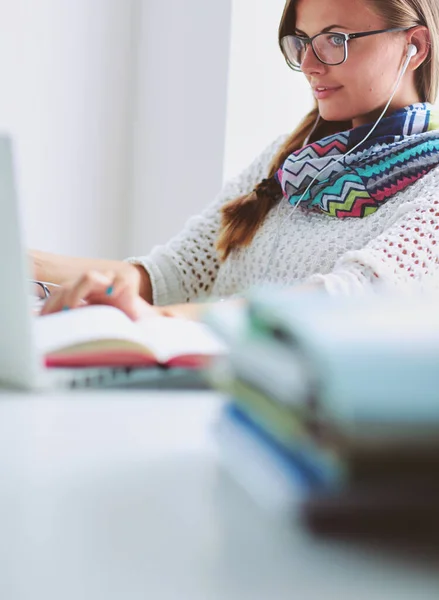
(122, 359)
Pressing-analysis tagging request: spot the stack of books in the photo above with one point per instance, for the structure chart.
(334, 408)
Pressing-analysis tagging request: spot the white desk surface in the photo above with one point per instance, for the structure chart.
(116, 495)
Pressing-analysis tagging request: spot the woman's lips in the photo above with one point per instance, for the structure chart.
(321, 92)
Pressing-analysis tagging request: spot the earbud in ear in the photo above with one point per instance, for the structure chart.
(411, 51)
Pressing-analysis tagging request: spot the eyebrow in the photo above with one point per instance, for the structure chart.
(330, 28)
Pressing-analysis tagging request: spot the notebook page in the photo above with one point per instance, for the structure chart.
(91, 323)
(170, 338)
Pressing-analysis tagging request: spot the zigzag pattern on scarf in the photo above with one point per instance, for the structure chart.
(307, 173)
(387, 178)
(387, 164)
(343, 194)
(404, 148)
(399, 171)
(356, 201)
(379, 152)
(401, 183)
(379, 190)
(350, 197)
(416, 162)
(337, 143)
(401, 158)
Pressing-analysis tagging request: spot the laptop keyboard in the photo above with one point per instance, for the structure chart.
(125, 377)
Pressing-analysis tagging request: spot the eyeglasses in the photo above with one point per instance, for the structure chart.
(331, 48)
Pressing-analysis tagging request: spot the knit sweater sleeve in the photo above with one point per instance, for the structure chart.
(186, 267)
(407, 251)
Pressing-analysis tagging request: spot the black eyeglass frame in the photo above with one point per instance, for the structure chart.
(347, 37)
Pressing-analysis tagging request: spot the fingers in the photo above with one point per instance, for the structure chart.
(100, 288)
(71, 296)
(122, 296)
(92, 288)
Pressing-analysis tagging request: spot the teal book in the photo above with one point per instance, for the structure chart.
(371, 360)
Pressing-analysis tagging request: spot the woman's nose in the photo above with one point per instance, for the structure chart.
(310, 62)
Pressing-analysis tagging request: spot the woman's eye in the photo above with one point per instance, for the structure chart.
(336, 40)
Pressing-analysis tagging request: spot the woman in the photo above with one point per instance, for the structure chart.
(322, 207)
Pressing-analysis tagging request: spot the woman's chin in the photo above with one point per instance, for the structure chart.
(333, 112)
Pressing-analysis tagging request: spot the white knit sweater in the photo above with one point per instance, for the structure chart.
(395, 246)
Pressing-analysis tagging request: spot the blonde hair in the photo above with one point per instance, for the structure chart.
(242, 217)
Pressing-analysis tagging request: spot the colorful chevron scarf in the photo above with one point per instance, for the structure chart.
(402, 149)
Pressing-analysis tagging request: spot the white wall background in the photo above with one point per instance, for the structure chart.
(180, 120)
(266, 98)
(66, 86)
(118, 109)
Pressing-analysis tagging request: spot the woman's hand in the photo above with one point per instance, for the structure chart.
(62, 270)
(108, 288)
(122, 292)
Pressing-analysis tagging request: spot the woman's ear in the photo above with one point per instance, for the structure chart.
(419, 37)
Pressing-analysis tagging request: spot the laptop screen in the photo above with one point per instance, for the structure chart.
(19, 363)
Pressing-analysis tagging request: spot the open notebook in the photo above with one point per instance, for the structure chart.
(102, 336)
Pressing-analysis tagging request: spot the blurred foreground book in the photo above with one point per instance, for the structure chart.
(334, 408)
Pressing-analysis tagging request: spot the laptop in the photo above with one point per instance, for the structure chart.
(21, 365)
